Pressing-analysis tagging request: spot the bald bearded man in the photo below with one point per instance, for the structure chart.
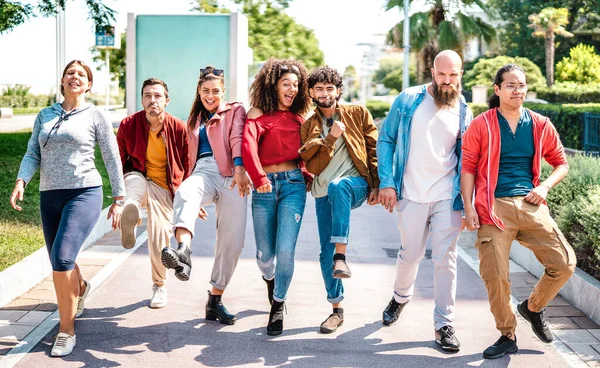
(419, 158)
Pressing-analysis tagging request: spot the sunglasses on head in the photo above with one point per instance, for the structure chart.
(286, 68)
(206, 71)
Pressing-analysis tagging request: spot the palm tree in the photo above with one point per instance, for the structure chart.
(446, 25)
(547, 23)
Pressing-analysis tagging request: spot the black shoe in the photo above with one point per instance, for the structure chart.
(270, 287)
(215, 310)
(537, 320)
(504, 345)
(392, 311)
(180, 260)
(275, 326)
(446, 338)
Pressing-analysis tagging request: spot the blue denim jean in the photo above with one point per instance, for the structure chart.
(333, 219)
(277, 217)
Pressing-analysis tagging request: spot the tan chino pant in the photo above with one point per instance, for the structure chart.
(532, 226)
(159, 204)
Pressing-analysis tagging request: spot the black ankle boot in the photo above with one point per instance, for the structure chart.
(275, 326)
(270, 287)
(215, 310)
(180, 260)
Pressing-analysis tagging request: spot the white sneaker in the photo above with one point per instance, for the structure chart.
(130, 219)
(81, 301)
(159, 297)
(63, 345)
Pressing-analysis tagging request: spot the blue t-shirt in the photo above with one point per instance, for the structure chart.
(204, 144)
(515, 174)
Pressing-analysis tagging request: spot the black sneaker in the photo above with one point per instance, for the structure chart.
(504, 345)
(538, 322)
(392, 311)
(446, 338)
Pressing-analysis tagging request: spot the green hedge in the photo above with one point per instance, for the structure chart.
(575, 203)
(378, 109)
(26, 101)
(570, 93)
(567, 118)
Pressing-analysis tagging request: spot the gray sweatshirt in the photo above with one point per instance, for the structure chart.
(62, 146)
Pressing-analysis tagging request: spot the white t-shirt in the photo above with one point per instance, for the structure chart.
(431, 165)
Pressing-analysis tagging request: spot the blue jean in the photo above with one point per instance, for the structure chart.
(68, 217)
(277, 217)
(333, 218)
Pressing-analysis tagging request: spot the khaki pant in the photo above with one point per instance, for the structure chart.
(533, 227)
(159, 204)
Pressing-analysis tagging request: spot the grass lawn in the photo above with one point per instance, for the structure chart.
(21, 232)
(27, 110)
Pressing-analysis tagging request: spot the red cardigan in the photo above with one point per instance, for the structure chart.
(481, 157)
(132, 138)
(269, 140)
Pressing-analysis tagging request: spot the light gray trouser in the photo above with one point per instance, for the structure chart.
(437, 224)
(205, 186)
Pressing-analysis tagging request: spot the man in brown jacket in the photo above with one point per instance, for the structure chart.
(339, 149)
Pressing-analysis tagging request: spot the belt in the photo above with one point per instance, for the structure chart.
(205, 154)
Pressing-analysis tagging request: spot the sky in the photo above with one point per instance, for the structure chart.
(28, 53)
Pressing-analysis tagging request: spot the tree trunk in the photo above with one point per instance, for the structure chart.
(549, 40)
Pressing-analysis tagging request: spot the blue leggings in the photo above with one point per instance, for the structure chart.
(68, 217)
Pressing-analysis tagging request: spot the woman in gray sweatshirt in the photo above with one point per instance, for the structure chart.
(62, 146)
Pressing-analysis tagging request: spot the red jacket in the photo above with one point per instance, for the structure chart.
(132, 138)
(481, 157)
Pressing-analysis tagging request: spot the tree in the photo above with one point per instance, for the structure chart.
(582, 66)
(548, 23)
(484, 71)
(350, 88)
(271, 32)
(116, 58)
(439, 29)
(14, 13)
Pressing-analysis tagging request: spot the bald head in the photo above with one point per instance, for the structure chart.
(447, 57)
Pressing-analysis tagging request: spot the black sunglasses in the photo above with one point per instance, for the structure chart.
(293, 68)
(206, 71)
(329, 122)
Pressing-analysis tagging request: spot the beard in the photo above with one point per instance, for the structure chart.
(325, 105)
(447, 98)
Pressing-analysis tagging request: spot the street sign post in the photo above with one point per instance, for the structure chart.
(106, 38)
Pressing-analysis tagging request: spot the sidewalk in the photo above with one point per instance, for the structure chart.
(118, 328)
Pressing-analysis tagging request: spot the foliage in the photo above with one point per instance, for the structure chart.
(515, 37)
(116, 59)
(18, 90)
(273, 33)
(21, 232)
(576, 204)
(484, 71)
(378, 109)
(390, 72)
(351, 83)
(445, 25)
(26, 101)
(209, 7)
(569, 92)
(582, 66)
(14, 13)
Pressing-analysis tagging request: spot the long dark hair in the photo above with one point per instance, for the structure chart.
(263, 92)
(494, 100)
(198, 108)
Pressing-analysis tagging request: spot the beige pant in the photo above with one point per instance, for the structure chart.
(159, 204)
(533, 227)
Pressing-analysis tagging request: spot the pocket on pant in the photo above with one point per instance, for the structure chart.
(488, 260)
(568, 251)
(295, 177)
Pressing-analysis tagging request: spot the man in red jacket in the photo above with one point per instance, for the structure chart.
(154, 152)
(502, 157)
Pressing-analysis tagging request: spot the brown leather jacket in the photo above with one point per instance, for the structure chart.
(360, 136)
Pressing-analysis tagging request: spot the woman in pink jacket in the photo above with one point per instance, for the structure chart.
(215, 128)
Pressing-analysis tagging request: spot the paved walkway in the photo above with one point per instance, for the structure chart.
(118, 328)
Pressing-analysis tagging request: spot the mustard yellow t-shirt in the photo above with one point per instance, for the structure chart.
(156, 160)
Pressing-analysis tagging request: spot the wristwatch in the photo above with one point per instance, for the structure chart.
(119, 202)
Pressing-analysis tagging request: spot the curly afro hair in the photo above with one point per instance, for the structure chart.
(325, 74)
(263, 92)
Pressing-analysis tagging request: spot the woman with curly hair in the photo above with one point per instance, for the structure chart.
(279, 97)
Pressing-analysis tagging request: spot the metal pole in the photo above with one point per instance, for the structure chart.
(406, 46)
(60, 49)
(107, 101)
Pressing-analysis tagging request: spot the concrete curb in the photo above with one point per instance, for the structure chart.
(582, 290)
(30, 271)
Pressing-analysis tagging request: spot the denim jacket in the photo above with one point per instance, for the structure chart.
(394, 141)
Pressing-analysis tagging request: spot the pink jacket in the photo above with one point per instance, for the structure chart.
(224, 131)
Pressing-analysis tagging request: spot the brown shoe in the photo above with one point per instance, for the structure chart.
(341, 270)
(332, 322)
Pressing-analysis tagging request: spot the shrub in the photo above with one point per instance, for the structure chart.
(15, 101)
(570, 92)
(484, 71)
(378, 109)
(582, 66)
(17, 90)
